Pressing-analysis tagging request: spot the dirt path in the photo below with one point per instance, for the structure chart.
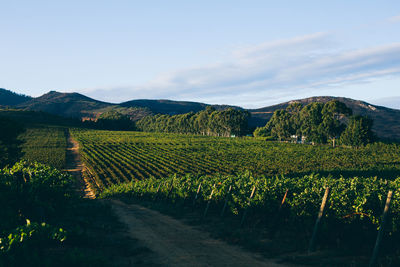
(171, 242)
(177, 244)
(75, 166)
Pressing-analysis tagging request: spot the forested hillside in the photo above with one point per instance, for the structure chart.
(9, 98)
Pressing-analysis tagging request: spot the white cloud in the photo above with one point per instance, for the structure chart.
(268, 70)
(394, 19)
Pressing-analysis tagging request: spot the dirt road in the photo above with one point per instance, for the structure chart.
(171, 242)
(177, 244)
(75, 166)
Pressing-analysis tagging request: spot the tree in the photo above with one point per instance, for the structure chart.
(332, 112)
(294, 110)
(206, 122)
(260, 132)
(113, 120)
(358, 132)
(311, 119)
(279, 125)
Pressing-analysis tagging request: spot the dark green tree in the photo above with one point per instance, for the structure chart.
(358, 132)
(311, 119)
(332, 114)
(113, 120)
(279, 125)
(261, 132)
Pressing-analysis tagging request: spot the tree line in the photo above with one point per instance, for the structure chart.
(319, 123)
(316, 123)
(209, 122)
(111, 120)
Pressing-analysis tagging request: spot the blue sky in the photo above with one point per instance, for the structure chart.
(247, 53)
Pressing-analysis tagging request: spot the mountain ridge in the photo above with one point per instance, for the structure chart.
(386, 120)
(10, 98)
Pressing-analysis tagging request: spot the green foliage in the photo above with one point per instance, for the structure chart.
(358, 132)
(113, 120)
(311, 119)
(20, 245)
(260, 132)
(46, 144)
(279, 125)
(207, 122)
(44, 222)
(113, 157)
(9, 98)
(9, 144)
(30, 118)
(317, 122)
(31, 192)
(352, 216)
(332, 112)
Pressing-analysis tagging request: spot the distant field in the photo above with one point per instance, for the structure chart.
(45, 144)
(114, 156)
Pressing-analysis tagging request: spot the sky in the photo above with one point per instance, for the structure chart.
(246, 53)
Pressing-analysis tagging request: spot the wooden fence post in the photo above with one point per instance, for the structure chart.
(320, 214)
(248, 206)
(381, 230)
(184, 198)
(226, 201)
(170, 190)
(276, 220)
(208, 202)
(158, 189)
(283, 201)
(197, 195)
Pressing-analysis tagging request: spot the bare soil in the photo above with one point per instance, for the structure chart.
(166, 241)
(177, 244)
(75, 167)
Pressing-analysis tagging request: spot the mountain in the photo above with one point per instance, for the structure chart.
(386, 120)
(81, 106)
(171, 107)
(9, 98)
(66, 104)
(166, 106)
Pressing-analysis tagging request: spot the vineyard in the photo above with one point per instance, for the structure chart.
(113, 157)
(280, 205)
(45, 144)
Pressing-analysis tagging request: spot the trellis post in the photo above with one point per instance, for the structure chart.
(197, 195)
(208, 202)
(226, 201)
(248, 206)
(381, 230)
(311, 247)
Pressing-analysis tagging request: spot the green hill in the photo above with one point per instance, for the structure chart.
(9, 98)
